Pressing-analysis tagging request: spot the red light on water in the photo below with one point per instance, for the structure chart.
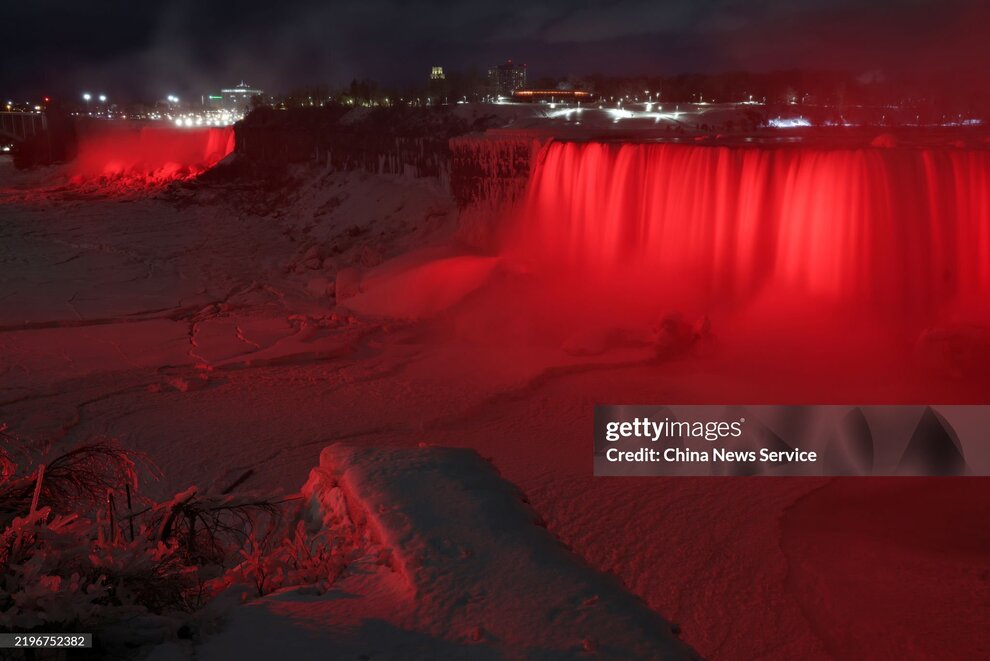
(892, 231)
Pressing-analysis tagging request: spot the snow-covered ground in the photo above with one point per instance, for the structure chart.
(202, 326)
(457, 566)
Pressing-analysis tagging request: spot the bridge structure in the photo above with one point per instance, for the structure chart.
(18, 126)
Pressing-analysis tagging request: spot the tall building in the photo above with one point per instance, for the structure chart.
(504, 79)
(237, 98)
(437, 85)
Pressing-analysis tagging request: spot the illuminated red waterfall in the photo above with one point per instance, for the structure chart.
(150, 154)
(903, 230)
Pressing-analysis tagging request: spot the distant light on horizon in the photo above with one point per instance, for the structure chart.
(788, 122)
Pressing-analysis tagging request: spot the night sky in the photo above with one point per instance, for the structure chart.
(148, 49)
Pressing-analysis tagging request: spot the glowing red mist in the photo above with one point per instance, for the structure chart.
(149, 155)
(893, 231)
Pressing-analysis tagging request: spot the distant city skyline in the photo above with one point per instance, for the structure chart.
(176, 46)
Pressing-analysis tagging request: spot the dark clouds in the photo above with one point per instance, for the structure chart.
(187, 46)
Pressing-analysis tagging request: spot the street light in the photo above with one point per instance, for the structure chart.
(87, 96)
(103, 98)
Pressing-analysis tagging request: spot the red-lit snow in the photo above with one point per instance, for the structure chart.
(189, 326)
(457, 567)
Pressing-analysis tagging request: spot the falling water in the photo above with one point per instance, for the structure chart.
(150, 153)
(905, 230)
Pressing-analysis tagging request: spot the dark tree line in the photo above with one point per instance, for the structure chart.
(923, 95)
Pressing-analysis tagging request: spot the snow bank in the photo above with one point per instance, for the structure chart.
(469, 572)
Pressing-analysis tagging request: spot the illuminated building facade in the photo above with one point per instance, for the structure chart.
(237, 98)
(437, 85)
(504, 79)
(551, 96)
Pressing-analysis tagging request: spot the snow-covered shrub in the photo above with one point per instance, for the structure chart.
(299, 559)
(67, 557)
(62, 570)
(80, 549)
